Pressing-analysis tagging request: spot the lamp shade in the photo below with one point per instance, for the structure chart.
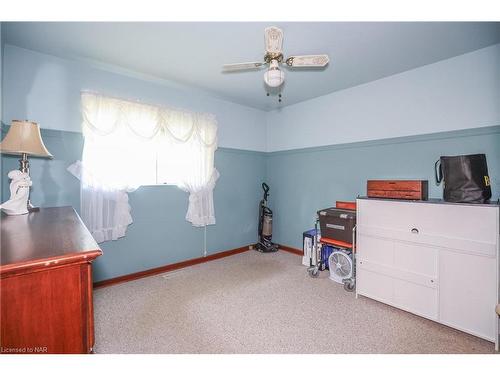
(24, 137)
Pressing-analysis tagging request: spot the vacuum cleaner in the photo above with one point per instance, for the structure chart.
(265, 244)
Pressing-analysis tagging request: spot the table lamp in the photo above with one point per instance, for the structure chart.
(24, 139)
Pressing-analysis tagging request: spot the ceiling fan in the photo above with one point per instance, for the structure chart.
(274, 76)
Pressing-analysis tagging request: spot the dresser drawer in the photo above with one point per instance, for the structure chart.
(409, 220)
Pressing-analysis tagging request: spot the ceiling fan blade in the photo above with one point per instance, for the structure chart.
(308, 61)
(273, 39)
(242, 66)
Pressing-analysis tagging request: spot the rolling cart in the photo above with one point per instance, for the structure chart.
(314, 269)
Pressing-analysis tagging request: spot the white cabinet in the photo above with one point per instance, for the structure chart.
(437, 260)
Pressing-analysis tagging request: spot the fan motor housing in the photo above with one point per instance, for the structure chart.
(273, 56)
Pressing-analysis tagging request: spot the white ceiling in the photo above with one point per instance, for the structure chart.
(193, 53)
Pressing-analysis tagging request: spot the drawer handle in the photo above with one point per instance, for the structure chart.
(414, 230)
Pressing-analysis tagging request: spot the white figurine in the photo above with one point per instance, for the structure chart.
(19, 194)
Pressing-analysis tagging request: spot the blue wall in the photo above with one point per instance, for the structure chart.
(47, 89)
(337, 141)
(307, 180)
(459, 93)
(301, 181)
(160, 234)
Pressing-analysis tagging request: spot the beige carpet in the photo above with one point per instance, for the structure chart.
(260, 303)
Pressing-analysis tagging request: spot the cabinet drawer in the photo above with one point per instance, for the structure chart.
(416, 258)
(376, 250)
(418, 299)
(407, 257)
(403, 290)
(49, 309)
(455, 222)
(375, 285)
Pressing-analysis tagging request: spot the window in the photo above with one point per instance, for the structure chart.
(129, 144)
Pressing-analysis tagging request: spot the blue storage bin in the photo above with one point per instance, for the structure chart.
(326, 251)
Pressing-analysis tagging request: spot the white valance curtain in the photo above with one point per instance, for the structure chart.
(129, 144)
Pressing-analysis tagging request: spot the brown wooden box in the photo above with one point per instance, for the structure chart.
(398, 189)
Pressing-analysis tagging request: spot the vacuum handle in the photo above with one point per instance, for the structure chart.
(266, 190)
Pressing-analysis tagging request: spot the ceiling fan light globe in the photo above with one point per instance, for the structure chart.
(274, 77)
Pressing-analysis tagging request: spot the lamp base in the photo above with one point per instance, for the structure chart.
(32, 208)
(19, 194)
(24, 166)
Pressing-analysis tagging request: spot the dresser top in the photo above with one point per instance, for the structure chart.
(49, 237)
(433, 201)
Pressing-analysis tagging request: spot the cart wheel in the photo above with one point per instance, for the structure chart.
(313, 272)
(349, 285)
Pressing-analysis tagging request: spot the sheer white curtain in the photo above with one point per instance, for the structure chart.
(105, 211)
(129, 144)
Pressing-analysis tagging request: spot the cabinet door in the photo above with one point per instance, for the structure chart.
(397, 273)
(372, 258)
(467, 292)
(416, 288)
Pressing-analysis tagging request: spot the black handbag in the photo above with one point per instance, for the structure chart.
(465, 178)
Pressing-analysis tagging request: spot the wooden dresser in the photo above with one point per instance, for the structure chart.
(46, 283)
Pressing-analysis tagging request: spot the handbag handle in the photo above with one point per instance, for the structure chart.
(438, 170)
